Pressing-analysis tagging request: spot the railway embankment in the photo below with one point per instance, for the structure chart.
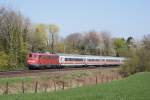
(134, 87)
(47, 81)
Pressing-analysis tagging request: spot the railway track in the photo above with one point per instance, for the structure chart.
(33, 72)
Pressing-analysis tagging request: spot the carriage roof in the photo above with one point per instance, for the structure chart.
(91, 56)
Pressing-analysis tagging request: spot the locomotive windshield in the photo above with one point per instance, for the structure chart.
(33, 56)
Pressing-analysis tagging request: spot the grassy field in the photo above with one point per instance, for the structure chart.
(15, 80)
(57, 76)
(136, 87)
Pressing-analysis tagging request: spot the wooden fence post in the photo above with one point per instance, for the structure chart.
(113, 76)
(70, 83)
(102, 79)
(6, 90)
(45, 87)
(63, 85)
(54, 85)
(78, 84)
(96, 80)
(36, 86)
(107, 78)
(23, 86)
(117, 76)
(84, 81)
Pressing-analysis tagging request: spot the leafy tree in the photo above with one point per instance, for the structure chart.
(13, 31)
(39, 38)
(139, 60)
(120, 46)
(129, 42)
(60, 47)
(3, 60)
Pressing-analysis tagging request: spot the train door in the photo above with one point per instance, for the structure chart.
(85, 61)
(40, 59)
(61, 60)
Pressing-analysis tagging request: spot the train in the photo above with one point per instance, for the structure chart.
(48, 60)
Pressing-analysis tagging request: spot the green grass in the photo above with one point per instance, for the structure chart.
(135, 87)
(77, 74)
(15, 80)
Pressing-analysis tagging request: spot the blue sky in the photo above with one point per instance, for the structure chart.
(122, 18)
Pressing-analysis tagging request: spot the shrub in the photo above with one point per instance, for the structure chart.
(137, 61)
(3, 60)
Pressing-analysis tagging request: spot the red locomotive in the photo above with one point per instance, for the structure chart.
(47, 60)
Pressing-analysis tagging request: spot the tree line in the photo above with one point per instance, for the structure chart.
(18, 37)
(138, 59)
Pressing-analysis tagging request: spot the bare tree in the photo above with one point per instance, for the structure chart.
(107, 43)
(73, 42)
(146, 41)
(91, 41)
(53, 29)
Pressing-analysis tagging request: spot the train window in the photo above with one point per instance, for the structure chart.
(73, 59)
(107, 60)
(93, 60)
(43, 56)
(66, 59)
(80, 59)
(97, 59)
(70, 59)
(30, 55)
